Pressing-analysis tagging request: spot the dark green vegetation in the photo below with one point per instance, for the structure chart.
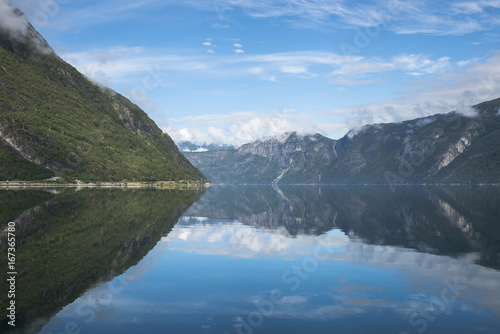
(12, 203)
(53, 120)
(15, 167)
(446, 148)
(70, 241)
(445, 220)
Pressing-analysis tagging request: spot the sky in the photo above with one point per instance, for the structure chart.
(233, 71)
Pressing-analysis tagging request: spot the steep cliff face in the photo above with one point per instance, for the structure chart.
(449, 148)
(279, 159)
(55, 118)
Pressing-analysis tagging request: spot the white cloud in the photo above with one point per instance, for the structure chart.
(198, 150)
(474, 7)
(12, 22)
(238, 51)
(216, 134)
(293, 69)
(134, 67)
(237, 45)
(16, 25)
(256, 70)
(303, 57)
(420, 63)
(207, 43)
(448, 91)
(467, 8)
(414, 64)
(269, 66)
(184, 134)
(261, 74)
(239, 128)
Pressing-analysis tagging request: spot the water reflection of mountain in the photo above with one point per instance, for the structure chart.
(438, 220)
(68, 242)
(301, 210)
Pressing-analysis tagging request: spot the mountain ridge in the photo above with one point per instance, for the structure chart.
(55, 121)
(441, 148)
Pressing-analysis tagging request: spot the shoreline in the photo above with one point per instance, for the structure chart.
(164, 184)
(187, 184)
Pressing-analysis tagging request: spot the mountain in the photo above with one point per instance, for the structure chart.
(287, 158)
(54, 121)
(443, 148)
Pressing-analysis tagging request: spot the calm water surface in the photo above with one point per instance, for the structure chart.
(257, 260)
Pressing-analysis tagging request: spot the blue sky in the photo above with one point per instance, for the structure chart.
(232, 71)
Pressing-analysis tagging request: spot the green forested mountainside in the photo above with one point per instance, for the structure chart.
(15, 167)
(54, 121)
(444, 148)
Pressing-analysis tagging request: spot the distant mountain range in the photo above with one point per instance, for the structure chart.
(444, 148)
(54, 121)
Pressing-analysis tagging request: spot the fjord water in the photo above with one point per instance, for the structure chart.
(293, 259)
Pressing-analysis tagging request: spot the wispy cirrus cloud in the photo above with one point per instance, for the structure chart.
(125, 63)
(413, 64)
(122, 64)
(294, 69)
(64, 14)
(474, 7)
(403, 17)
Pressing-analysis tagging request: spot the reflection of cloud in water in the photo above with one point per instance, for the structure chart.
(480, 285)
(238, 240)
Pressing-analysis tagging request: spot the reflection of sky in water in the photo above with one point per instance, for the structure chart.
(213, 276)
